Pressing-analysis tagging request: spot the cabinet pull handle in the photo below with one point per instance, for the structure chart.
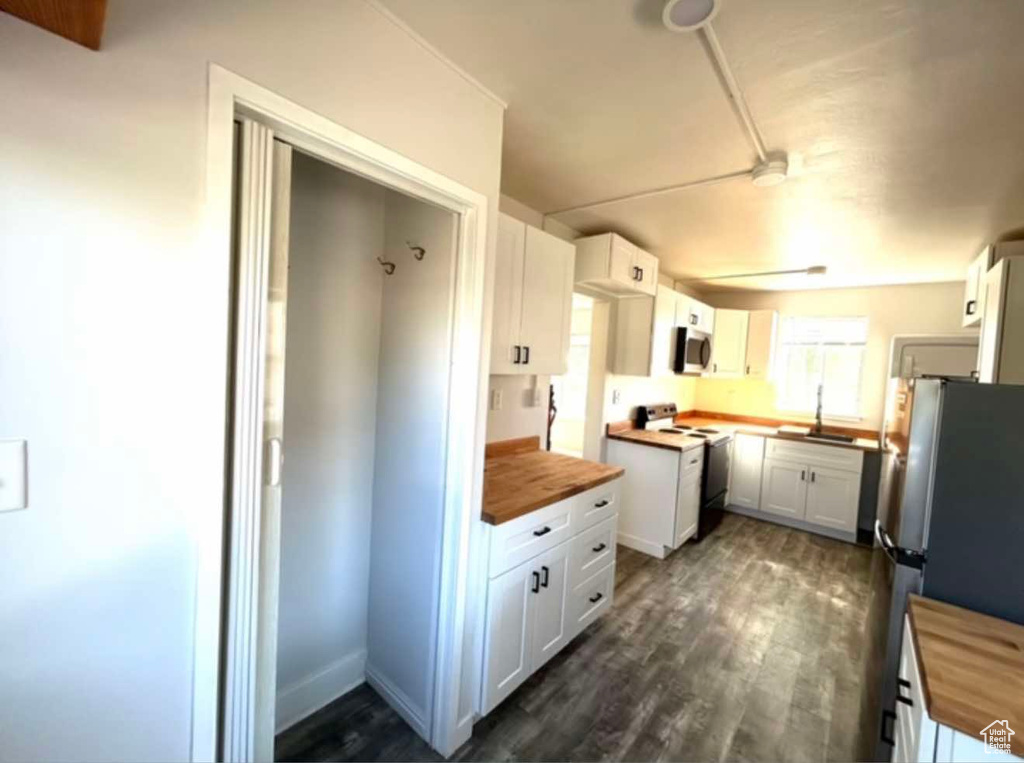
(972, 306)
(693, 320)
(547, 575)
(803, 475)
(748, 370)
(812, 476)
(715, 369)
(599, 548)
(903, 682)
(888, 739)
(905, 700)
(600, 504)
(596, 597)
(526, 356)
(641, 274)
(695, 460)
(543, 531)
(518, 358)
(536, 582)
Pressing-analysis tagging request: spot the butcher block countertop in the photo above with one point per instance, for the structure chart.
(747, 425)
(972, 667)
(658, 439)
(519, 478)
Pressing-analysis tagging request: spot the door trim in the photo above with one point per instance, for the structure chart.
(230, 96)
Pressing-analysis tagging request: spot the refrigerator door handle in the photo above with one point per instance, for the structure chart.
(897, 555)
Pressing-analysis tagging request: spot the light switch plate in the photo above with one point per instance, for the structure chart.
(495, 399)
(13, 475)
(616, 396)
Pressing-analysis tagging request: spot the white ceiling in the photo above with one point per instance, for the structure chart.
(908, 119)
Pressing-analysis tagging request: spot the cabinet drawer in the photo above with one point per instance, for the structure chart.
(591, 599)
(915, 730)
(812, 454)
(595, 505)
(691, 462)
(592, 550)
(523, 538)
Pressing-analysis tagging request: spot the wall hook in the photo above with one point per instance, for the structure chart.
(389, 267)
(417, 251)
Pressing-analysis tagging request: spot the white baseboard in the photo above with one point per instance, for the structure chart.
(398, 700)
(639, 544)
(796, 524)
(309, 694)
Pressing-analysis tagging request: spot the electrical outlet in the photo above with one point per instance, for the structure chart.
(495, 399)
(616, 396)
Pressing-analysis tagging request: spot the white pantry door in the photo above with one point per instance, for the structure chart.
(262, 220)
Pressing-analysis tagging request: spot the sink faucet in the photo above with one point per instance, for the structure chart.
(817, 414)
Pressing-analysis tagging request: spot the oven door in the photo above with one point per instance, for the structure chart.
(693, 351)
(716, 470)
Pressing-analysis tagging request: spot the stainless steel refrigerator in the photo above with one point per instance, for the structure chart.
(954, 530)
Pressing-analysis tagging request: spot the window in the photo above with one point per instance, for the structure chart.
(826, 351)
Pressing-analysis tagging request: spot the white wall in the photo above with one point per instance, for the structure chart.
(915, 309)
(333, 340)
(409, 471)
(113, 331)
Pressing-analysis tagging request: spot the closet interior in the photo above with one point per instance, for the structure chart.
(370, 286)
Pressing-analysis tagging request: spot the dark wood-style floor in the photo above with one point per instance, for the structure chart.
(746, 646)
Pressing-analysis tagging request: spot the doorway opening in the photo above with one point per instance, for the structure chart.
(353, 423)
(569, 409)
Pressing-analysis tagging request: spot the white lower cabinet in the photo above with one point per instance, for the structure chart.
(812, 483)
(687, 508)
(537, 606)
(745, 473)
(916, 737)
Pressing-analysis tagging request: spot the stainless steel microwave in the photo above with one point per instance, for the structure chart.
(691, 353)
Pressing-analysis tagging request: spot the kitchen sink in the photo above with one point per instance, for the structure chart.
(828, 436)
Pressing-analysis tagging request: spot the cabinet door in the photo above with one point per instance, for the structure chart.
(832, 498)
(621, 261)
(507, 633)
(989, 350)
(747, 460)
(508, 294)
(634, 328)
(646, 272)
(706, 318)
(687, 509)
(729, 347)
(662, 344)
(784, 488)
(550, 617)
(974, 288)
(761, 330)
(546, 303)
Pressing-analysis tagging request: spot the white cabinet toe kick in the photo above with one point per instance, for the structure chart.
(551, 573)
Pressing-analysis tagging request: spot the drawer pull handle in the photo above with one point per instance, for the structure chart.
(888, 739)
(600, 504)
(547, 574)
(543, 531)
(905, 700)
(695, 460)
(599, 549)
(903, 682)
(596, 597)
(536, 582)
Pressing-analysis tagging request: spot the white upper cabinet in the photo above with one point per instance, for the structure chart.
(974, 287)
(532, 300)
(729, 347)
(761, 332)
(610, 264)
(1001, 346)
(643, 334)
(695, 314)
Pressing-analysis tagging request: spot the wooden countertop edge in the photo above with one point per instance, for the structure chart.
(935, 706)
(625, 437)
(550, 498)
(511, 447)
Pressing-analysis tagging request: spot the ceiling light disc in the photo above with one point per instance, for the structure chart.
(770, 173)
(688, 15)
